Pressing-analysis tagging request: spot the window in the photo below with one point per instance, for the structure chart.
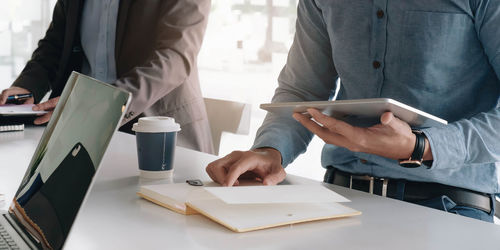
(22, 24)
(245, 47)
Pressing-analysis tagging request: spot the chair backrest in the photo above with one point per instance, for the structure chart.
(227, 116)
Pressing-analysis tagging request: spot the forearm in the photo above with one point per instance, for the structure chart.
(284, 134)
(309, 75)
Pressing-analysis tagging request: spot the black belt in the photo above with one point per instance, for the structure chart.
(413, 191)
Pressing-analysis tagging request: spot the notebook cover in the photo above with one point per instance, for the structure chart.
(241, 217)
(249, 217)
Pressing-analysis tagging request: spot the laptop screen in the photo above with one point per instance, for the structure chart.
(67, 157)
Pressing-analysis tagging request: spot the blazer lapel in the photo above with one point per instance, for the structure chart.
(120, 26)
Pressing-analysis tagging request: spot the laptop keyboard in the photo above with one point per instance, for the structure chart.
(6, 242)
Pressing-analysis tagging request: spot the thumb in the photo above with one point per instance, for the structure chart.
(388, 119)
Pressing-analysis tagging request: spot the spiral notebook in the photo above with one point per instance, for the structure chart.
(12, 127)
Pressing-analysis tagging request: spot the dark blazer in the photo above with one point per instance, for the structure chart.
(157, 43)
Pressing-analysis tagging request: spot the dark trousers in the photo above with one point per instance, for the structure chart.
(441, 202)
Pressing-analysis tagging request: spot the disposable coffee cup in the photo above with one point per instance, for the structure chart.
(156, 137)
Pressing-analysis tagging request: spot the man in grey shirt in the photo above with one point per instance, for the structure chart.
(439, 56)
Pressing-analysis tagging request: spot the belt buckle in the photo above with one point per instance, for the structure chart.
(371, 179)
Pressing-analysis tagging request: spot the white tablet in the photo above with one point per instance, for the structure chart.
(360, 112)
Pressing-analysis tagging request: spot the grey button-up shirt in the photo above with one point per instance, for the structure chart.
(440, 56)
(98, 36)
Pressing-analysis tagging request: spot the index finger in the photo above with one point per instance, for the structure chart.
(3, 97)
(217, 170)
(332, 124)
(236, 170)
(10, 91)
(50, 104)
(311, 125)
(324, 133)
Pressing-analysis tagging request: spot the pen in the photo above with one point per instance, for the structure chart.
(19, 97)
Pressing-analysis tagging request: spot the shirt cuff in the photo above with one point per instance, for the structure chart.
(282, 140)
(277, 144)
(447, 147)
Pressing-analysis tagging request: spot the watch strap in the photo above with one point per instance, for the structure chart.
(418, 151)
(417, 155)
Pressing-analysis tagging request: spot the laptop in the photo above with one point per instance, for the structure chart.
(62, 168)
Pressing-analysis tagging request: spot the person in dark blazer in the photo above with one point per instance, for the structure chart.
(148, 48)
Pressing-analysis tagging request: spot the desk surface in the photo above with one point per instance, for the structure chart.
(113, 217)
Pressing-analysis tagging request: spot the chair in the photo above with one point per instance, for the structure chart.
(227, 116)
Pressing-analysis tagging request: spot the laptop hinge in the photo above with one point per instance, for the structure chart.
(26, 236)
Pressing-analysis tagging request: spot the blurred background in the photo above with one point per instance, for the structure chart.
(245, 48)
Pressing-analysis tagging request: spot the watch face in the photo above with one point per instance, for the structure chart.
(410, 164)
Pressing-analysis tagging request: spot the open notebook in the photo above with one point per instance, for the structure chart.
(249, 208)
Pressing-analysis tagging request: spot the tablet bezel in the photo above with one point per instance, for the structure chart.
(360, 112)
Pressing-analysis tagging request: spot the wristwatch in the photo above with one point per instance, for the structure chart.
(417, 156)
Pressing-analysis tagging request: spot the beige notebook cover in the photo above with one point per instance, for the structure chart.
(171, 196)
(240, 208)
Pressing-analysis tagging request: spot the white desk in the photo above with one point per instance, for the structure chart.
(113, 217)
(16, 149)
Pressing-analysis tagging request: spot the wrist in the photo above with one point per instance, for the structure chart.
(271, 152)
(417, 156)
(427, 152)
(409, 146)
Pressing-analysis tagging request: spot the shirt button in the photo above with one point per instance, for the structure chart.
(376, 64)
(380, 13)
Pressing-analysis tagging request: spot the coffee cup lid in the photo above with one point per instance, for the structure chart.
(156, 124)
